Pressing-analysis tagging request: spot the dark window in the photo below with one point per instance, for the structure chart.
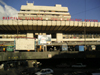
(54, 35)
(22, 10)
(36, 36)
(0, 36)
(48, 70)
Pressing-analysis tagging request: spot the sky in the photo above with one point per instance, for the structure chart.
(79, 9)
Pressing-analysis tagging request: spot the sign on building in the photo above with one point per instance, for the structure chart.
(25, 44)
(64, 47)
(81, 48)
(44, 39)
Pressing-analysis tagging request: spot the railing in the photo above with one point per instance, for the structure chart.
(83, 43)
(7, 41)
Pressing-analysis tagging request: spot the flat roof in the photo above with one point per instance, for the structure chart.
(31, 6)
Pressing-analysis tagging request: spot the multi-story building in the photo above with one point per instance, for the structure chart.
(30, 11)
(49, 20)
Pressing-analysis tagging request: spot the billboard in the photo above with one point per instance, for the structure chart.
(81, 48)
(25, 44)
(44, 39)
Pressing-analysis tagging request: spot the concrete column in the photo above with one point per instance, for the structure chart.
(44, 48)
(36, 34)
(82, 35)
(44, 33)
(59, 37)
(40, 33)
(32, 63)
(30, 35)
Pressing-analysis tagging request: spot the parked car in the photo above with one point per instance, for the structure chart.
(79, 73)
(45, 71)
(66, 74)
(95, 73)
(88, 73)
(79, 65)
(63, 65)
(29, 71)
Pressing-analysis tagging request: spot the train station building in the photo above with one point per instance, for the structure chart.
(52, 22)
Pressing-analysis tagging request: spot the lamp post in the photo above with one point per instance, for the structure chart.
(85, 35)
(17, 28)
(85, 27)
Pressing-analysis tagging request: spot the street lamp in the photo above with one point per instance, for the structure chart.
(85, 35)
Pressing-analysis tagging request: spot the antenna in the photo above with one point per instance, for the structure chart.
(33, 2)
(26, 2)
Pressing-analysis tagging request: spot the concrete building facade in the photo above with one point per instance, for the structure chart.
(49, 20)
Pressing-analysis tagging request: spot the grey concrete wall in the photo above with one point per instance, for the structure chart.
(4, 56)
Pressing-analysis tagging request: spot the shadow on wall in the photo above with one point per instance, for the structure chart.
(86, 57)
(76, 54)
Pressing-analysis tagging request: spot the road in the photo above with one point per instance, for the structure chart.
(57, 71)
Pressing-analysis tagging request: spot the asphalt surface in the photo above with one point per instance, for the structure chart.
(92, 67)
(57, 71)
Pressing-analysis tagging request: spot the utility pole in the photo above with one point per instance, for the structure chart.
(85, 35)
(85, 27)
(17, 28)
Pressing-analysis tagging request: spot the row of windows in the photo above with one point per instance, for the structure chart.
(54, 36)
(81, 36)
(44, 14)
(45, 11)
(11, 36)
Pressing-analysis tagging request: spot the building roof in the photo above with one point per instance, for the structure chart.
(31, 6)
(50, 19)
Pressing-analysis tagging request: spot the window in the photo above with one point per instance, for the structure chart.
(22, 10)
(36, 36)
(48, 70)
(57, 15)
(43, 71)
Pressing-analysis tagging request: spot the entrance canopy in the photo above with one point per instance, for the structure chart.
(48, 26)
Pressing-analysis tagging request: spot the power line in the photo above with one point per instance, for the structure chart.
(86, 10)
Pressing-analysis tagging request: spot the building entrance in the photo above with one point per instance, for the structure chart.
(53, 48)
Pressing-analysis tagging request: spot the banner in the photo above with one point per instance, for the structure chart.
(44, 39)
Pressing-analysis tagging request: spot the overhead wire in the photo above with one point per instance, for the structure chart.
(86, 10)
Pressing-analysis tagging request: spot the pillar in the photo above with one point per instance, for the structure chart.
(44, 33)
(30, 35)
(36, 34)
(31, 63)
(59, 37)
(44, 47)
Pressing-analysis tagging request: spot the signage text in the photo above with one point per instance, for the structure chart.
(53, 19)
